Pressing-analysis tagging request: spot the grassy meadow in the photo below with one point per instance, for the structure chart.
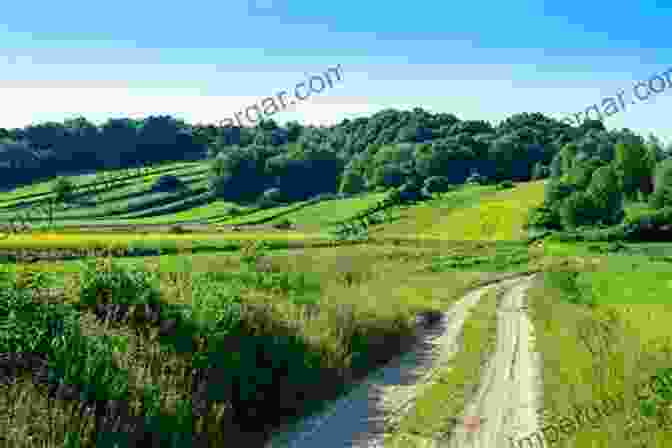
(287, 319)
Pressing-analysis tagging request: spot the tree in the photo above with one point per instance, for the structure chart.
(476, 178)
(119, 139)
(294, 130)
(579, 209)
(651, 158)
(632, 168)
(654, 144)
(540, 171)
(235, 175)
(567, 155)
(63, 188)
(662, 194)
(352, 182)
(556, 191)
(436, 184)
(606, 195)
(582, 171)
(555, 168)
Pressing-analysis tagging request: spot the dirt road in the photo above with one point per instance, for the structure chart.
(508, 396)
(358, 419)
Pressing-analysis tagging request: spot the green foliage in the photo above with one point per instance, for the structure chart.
(505, 258)
(566, 281)
(578, 210)
(557, 190)
(63, 188)
(606, 195)
(662, 194)
(115, 283)
(540, 171)
(284, 224)
(633, 167)
(505, 185)
(31, 326)
(566, 157)
(653, 226)
(581, 172)
(436, 184)
(352, 182)
(568, 205)
(544, 217)
(476, 178)
(555, 168)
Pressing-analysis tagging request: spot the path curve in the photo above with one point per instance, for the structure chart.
(508, 398)
(357, 420)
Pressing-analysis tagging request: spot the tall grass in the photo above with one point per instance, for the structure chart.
(601, 354)
(247, 350)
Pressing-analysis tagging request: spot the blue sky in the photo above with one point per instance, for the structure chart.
(204, 60)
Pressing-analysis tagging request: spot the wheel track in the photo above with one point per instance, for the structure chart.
(359, 418)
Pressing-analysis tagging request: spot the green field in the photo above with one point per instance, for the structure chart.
(363, 296)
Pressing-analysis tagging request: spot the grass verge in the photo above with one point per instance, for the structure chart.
(437, 411)
(592, 351)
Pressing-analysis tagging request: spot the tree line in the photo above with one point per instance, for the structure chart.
(595, 177)
(411, 150)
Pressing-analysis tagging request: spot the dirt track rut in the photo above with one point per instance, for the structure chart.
(508, 396)
(357, 420)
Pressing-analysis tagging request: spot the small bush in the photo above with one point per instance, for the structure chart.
(544, 217)
(476, 178)
(579, 209)
(63, 188)
(272, 194)
(284, 224)
(104, 281)
(567, 283)
(505, 185)
(436, 184)
(176, 228)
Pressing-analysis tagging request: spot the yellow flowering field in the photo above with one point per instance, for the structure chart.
(92, 239)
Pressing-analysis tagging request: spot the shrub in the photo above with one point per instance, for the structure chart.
(352, 182)
(662, 194)
(63, 188)
(544, 217)
(264, 203)
(476, 178)
(540, 171)
(579, 210)
(557, 190)
(652, 226)
(105, 281)
(505, 185)
(567, 283)
(284, 224)
(408, 192)
(272, 194)
(176, 228)
(436, 184)
(606, 195)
